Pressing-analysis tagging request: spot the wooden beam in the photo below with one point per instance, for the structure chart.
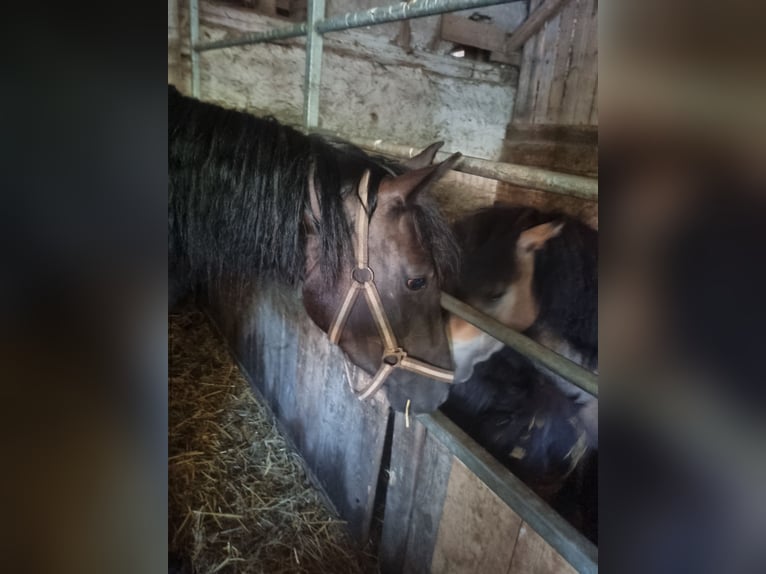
(480, 35)
(532, 24)
(469, 33)
(514, 58)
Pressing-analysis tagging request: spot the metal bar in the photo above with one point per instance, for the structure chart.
(400, 11)
(533, 350)
(379, 15)
(293, 31)
(313, 77)
(193, 38)
(580, 552)
(521, 175)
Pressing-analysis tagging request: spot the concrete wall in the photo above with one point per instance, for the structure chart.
(371, 87)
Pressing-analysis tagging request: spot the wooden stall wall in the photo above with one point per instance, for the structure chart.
(558, 80)
(304, 380)
(442, 517)
(555, 117)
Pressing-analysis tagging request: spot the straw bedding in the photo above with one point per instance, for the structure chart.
(239, 498)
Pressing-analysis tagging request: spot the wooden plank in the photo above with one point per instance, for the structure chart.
(406, 454)
(533, 555)
(526, 77)
(547, 132)
(342, 438)
(565, 539)
(585, 211)
(567, 149)
(561, 61)
(481, 35)
(537, 18)
(477, 531)
(466, 32)
(302, 377)
(576, 159)
(572, 89)
(503, 58)
(430, 492)
(550, 36)
(538, 53)
(589, 72)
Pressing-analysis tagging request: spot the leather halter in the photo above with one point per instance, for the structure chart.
(394, 357)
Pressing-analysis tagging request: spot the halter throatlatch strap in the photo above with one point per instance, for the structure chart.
(394, 357)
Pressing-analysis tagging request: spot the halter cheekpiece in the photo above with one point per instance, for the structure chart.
(394, 357)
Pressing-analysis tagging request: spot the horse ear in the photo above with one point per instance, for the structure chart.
(534, 238)
(424, 158)
(408, 185)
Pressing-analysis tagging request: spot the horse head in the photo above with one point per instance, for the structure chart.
(534, 272)
(496, 277)
(382, 307)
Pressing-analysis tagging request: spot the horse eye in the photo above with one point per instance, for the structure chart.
(496, 296)
(416, 284)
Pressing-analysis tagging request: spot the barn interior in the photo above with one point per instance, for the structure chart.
(273, 465)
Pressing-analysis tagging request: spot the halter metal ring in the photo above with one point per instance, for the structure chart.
(363, 275)
(394, 357)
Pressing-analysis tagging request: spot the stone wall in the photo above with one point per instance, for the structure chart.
(371, 87)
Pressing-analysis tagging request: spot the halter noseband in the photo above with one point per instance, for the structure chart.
(394, 357)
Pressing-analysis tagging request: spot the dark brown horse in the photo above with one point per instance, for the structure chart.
(536, 273)
(250, 198)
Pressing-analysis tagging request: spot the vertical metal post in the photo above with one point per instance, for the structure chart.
(194, 38)
(314, 46)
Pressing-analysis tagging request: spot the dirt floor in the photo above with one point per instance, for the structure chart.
(239, 498)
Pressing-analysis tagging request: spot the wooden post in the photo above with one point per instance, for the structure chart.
(532, 24)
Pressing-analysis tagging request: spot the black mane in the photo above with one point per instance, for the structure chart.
(238, 192)
(566, 285)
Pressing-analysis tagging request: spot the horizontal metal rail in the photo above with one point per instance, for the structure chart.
(294, 31)
(521, 175)
(533, 350)
(400, 11)
(580, 552)
(371, 17)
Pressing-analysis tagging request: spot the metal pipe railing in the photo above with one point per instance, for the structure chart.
(193, 38)
(371, 17)
(521, 175)
(295, 31)
(313, 78)
(400, 11)
(533, 350)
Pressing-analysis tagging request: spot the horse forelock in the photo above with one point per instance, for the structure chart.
(435, 237)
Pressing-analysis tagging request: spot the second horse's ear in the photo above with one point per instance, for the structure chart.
(424, 158)
(534, 238)
(408, 185)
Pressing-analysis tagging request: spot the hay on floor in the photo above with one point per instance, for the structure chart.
(239, 499)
